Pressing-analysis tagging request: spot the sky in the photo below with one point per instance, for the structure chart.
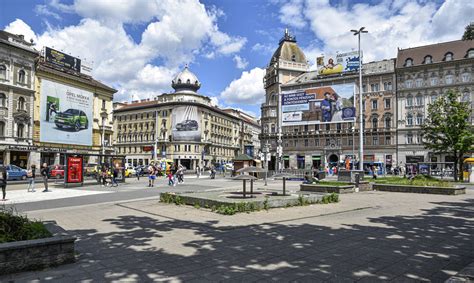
(138, 46)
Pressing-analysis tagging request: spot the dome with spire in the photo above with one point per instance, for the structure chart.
(186, 81)
(288, 50)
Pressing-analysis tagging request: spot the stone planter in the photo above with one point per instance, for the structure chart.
(326, 188)
(418, 189)
(38, 254)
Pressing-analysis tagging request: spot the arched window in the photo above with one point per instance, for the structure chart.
(410, 120)
(375, 121)
(388, 122)
(448, 56)
(409, 100)
(21, 76)
(21, 103)
(273, 128)
(419, 119)
(409, 138)
(293, 58)
(179, 81)
(3, 72)
(3, 100)
(188, 81)
(428, 59)
(419, 100)
(2, 129)
(449, 79)
(408, 62)
(20, 131)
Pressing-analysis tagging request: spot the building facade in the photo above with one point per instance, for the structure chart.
(72, 113)
(17, 72)
(423, 74)
(182, 126)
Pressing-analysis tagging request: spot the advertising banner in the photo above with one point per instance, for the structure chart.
(65, 114)
(327, 104)
(339, 63)
(62, 60)
(249, 150)
(186, 124)
(74, 169)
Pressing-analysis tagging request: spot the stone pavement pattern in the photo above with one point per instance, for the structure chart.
(370, 236)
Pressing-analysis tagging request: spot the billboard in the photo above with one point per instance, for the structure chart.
(62, 60)
(327, 104)
(65, 114)
(339, 63)
(186, 123)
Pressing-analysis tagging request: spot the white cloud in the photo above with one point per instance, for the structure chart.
(291, 14)
(240, 63)
(20, 27)
(246, 89)
(214, 101)
(44, 10)
(266, 49)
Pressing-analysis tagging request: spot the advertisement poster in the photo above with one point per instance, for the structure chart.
(249, 150)
(62, 60)
(65, 114)
(74, 169)
(328, 104)
(339, 63)
(186, 124)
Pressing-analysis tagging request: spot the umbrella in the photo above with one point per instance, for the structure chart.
(284, 176)
(251, 169)
(244, 178)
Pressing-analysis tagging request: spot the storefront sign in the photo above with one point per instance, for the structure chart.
(148, 148)
(74, 169)
(415, 159)
(369, 158)
(22, 148)
(316, 157)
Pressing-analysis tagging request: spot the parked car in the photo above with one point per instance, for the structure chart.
(15, 173)
(187, 125)
(72, 118)
(130, 171)
(56, 171)
(91, 169)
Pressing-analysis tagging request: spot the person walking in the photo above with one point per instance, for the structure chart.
(170, 179)
(151, 175)
(45, 174)
(114, 176)
(138, 172)
(3, 181)
(31, 174)
(104, 175)
(198, 171)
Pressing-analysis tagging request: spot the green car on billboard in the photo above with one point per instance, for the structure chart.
(73, 119)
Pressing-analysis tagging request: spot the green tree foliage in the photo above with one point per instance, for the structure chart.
(469, 32)
(448, 129)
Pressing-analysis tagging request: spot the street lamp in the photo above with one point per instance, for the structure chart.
(353, 149)
(265, 152)
(361, 115)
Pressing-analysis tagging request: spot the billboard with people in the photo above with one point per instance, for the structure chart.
(327, 104)
(65, 114)
(186, 123)
(339, 63)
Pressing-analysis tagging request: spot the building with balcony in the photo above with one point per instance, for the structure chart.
(423, 74)
(182, 126)
(17, 72)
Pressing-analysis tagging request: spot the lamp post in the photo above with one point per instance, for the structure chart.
(361, 114)
(353, 147)
(265, 152)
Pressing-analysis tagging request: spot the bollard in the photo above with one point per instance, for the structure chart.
(357, 180)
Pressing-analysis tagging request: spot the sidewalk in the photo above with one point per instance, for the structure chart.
(22, 196)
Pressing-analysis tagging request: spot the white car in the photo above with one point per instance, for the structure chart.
(130, 171)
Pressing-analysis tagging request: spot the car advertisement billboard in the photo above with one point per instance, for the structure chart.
(186, 123)
(339, 63)
(65, 114)
(62, 60)
(327, 104)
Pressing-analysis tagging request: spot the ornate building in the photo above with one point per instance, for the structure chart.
(423, 74)
(17, 72)
(183, 126)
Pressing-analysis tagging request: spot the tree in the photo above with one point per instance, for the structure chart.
(469, 32)
(448, 129)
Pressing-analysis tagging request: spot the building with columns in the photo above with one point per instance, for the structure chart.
(17, 73)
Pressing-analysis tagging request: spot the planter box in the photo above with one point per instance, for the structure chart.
(418, 189)
(327, 188)
(38, 254)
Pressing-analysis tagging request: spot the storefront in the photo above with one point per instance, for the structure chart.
(19, 158)
(316, 161)
(286, 161)
(300, 161)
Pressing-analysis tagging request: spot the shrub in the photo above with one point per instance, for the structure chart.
(14, 227)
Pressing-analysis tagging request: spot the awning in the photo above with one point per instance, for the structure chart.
(469, 160)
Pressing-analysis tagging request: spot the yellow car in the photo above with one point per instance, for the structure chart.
(130, 171)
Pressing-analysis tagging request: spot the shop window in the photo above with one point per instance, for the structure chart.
(21, 76)
(3, 72)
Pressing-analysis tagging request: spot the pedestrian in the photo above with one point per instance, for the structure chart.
(138, 172)
(104, 175)
(114, 176)
(3, 181)
(31, 178)
(198, 171)
(174, 171)
(374, 172)
(45, 174)
(151, 175)
(170, 179)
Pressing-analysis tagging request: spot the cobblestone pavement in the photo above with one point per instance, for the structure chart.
(370, 236)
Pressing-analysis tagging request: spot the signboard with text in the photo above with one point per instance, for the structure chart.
(62, 60)
(339, 63)
(74, 169)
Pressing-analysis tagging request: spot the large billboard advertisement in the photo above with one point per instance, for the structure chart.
(62, 60)
(186, 124)
(65, 114)
(339, 63)
(327, 104)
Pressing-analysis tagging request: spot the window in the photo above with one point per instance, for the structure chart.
(293, 58)
(409, 138)
(316, 142)
(434, 96)
(419, 119)
(350, 142)
(3, 100)
(21, 76)
(409, 100)
(328, 142)
(428, 59)
(448, 56)
(273, 113)
(21, 103)
(387, 103)
(328, 127)
(364, 88)
(273, 128)
(434, 81)
(3, 72)
(375, 121)
(2, 129)
(388, 140)
(387, 86)
(305, 142)
(465, 77)
(103, 104)
(419, 82)
(470, 53)
(388, 122)
(374, 104)
(449, 79)
(410, 120)
(408, 83)
(419, 100)
(20, 131)
(374, 87)
(338, 127)
(408, 62)
(375, 140)
(466, 97)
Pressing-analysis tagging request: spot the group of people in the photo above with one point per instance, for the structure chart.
(175, 174)
(108, 176)
(30, 175)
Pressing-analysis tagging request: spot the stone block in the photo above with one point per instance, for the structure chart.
(418, 189)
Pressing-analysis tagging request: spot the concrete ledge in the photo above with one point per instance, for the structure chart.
(326, 188)
(418, 189)
(38, 254)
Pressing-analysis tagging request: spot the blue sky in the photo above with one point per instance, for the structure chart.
(138, 46)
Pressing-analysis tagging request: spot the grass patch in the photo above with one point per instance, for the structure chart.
(14, 227)
(419, 180)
